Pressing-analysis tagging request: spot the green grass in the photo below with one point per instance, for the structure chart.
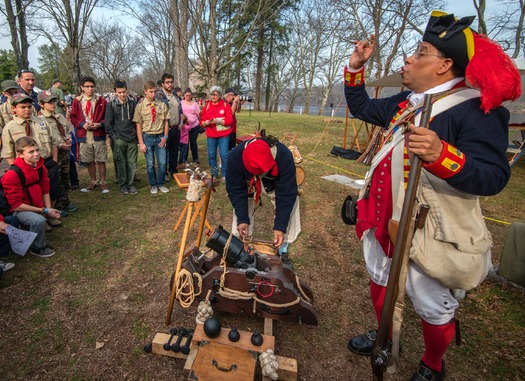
(109, 281)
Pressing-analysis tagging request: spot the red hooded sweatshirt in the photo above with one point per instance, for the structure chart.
(13, 191)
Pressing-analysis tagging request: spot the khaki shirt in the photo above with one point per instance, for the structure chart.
(83, 101)
(174, 109)
(52, 121)
(143, 116)
(16, 129)
(6, 114)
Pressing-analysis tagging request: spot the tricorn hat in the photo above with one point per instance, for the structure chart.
(487, 67)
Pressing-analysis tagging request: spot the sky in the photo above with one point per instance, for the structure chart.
(460, 8)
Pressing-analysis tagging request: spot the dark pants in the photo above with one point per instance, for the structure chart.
(73, 174)
(233, 141)
(173, 149)
(55, 186)
(126, 158)
(64, 172)
(183, 157)
(4, 239)
(194, 134)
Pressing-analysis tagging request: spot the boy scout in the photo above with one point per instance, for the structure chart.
(24, 123)
(60, 130)
(9, 88)
(152, 116)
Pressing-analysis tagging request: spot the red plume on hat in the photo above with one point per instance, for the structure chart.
(493, 72)
(258, 159)
(487, 67)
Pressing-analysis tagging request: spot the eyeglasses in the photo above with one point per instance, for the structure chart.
(89, 86)
(216, 94)
(420, 52)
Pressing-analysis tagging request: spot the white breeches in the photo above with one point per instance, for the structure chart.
(432, 301)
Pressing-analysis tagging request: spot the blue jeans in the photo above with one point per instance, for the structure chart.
(36, 224)
(153, 150)
(223, 144)
(4, 240)
(183, 156)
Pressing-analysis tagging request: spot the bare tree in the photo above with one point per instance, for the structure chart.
(71, 19)
(214, 35)
(480, 6)
(15, 13)
(112, 52)
(506, 27)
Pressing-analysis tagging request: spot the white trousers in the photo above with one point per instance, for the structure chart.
(432, 301)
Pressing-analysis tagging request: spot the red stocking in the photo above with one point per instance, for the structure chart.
(378, 298)
(437, 339)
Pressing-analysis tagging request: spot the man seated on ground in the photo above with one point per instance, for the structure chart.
(31, 203)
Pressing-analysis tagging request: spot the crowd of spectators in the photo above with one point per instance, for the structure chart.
(45, 137)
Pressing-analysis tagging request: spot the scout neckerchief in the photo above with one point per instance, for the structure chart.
(29, 131)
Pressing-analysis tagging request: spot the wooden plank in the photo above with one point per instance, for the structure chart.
(268, 327)
(219, 362)
(159, 340)
(287, 369)
(188, 365)
(243, 343)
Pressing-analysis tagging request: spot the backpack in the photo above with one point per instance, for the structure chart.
(5, 208)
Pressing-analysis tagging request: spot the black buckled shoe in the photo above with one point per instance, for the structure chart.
(424, 373)
(364, 344)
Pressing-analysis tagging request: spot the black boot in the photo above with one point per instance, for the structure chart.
(363, 344)
(424, 373)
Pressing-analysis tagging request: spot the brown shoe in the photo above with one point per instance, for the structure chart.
(104, 188)
(89, 188)
(53, 222)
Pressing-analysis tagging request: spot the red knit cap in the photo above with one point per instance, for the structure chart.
(258, 159)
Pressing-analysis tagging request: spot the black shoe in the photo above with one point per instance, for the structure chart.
(424, 373)
(364, 344)
(74, 186)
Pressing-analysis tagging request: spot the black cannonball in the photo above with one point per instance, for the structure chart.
(147, 348)
(234, 335)
(256, 339)
(212, 327)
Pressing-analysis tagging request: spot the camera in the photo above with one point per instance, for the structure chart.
(245, 98)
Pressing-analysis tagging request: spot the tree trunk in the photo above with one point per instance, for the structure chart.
(269, 74)
(258, 74)
(17, 22)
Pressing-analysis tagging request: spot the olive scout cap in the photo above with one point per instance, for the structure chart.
(9, 84)
(46, 96)
(21, 98)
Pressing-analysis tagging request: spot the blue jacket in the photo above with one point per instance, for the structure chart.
(483, 138)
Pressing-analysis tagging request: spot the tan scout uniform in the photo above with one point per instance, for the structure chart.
(6, 114)
(52, 122)
(63, 152)
(143, 116)
(16, 129)
(174, 109)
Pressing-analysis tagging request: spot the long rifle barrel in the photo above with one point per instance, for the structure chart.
(379, 359)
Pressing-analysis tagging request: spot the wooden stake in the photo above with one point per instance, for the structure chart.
(185, 232)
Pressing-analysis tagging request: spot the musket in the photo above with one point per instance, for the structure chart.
(374, 144)
(380, 352)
